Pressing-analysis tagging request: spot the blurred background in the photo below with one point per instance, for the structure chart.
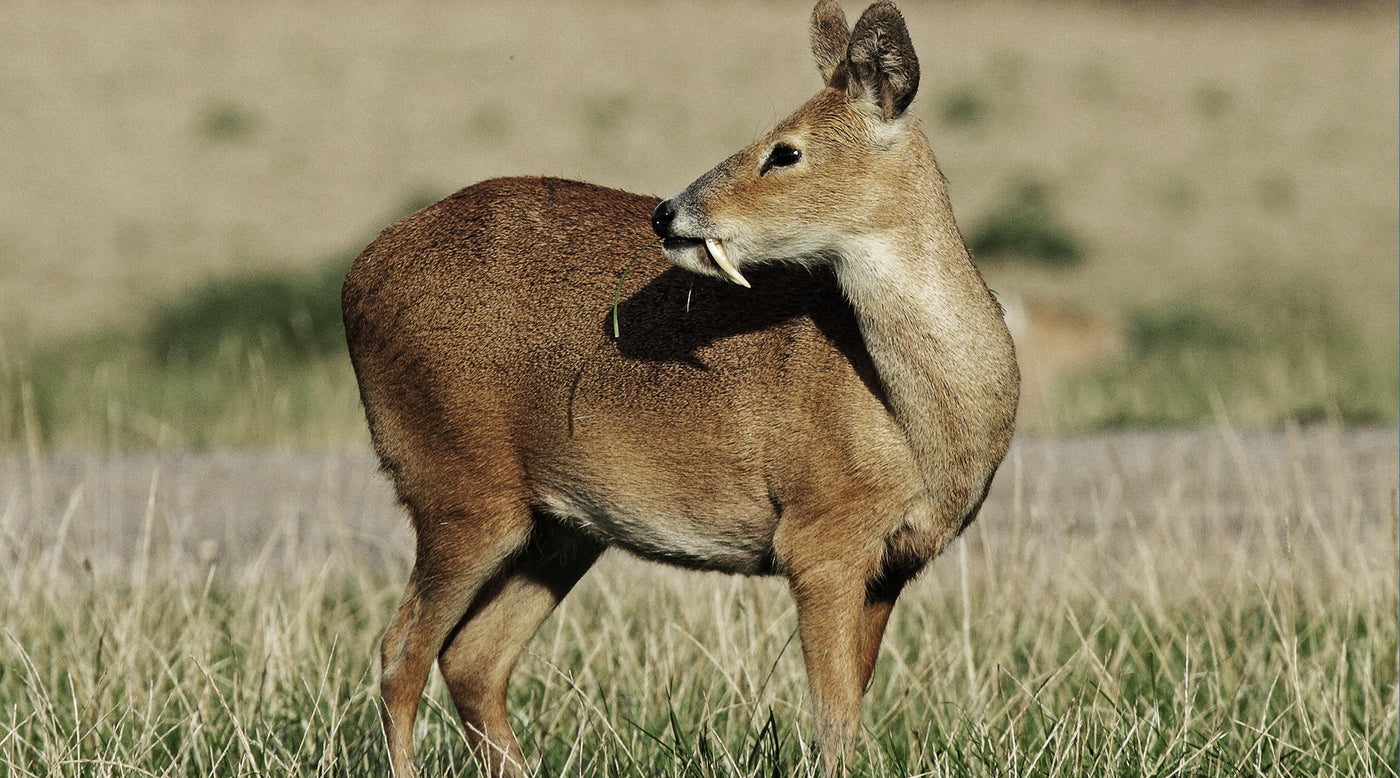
(1190, 210)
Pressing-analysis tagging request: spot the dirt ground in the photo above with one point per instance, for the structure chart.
(1080, 508)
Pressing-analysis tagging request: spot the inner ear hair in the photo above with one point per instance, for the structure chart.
(882, 65)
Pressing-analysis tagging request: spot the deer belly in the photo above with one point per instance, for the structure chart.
(725, 534)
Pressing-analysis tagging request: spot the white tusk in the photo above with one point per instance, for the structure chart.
(718, 254)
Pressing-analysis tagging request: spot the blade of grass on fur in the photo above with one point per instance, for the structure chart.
(617, 294)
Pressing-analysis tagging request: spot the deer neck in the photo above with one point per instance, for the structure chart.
(938, 340)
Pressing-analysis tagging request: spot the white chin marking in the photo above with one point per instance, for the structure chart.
(721, 258)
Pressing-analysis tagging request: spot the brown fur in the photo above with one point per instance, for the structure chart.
(837, 424)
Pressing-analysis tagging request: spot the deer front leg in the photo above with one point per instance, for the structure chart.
(831, 602)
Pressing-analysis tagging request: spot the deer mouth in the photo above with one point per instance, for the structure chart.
(713, 249)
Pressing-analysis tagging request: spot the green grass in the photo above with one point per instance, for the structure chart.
(226, 121)
(1255, 355)
(962, 108)
(283, 316)
(257, 361)
(111, 394)
(1028, 227)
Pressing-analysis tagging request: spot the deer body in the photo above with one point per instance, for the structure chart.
(837, 423)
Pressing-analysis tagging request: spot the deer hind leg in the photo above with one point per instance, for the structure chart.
(458, 554)
(479, 657)
(879, 603)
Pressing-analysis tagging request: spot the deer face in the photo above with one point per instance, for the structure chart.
(823, 177)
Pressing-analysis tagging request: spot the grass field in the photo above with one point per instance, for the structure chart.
(1137, 604)
(1187, 566)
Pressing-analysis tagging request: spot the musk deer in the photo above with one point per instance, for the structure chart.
(834, 415)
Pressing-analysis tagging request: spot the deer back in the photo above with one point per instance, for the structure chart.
(481, 333)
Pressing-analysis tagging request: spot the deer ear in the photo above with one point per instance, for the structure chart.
(830, 37)
(881, 62)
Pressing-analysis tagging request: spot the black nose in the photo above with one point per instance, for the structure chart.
(662, 217)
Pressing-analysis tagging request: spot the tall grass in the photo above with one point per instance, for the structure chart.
(1204, 605)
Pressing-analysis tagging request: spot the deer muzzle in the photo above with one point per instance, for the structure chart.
(688, 251)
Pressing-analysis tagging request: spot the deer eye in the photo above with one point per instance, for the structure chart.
(782, 155)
